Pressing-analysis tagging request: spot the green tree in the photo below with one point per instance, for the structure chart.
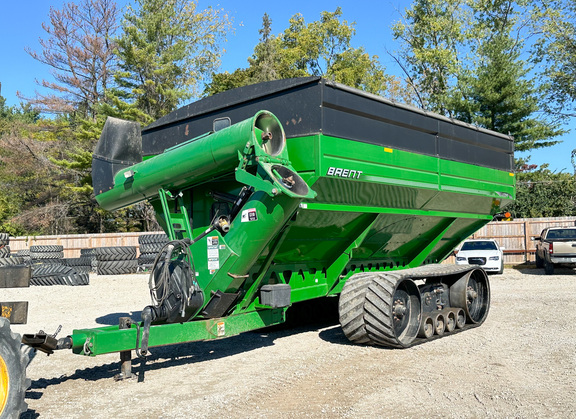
(543, 193)
(165, 50)
(463, 60)
(320, 48)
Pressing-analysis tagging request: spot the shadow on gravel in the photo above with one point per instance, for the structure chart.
(540, 271)
(302, 317)
(113, 319)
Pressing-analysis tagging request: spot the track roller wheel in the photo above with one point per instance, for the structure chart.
(450, 319)
(13, 382)
(439, 324)
(426, 328)
(460, 318)
(381, 309)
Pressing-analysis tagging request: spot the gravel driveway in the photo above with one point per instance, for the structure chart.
(521, 363)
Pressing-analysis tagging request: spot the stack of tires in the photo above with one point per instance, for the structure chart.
(117, 260)
(150, 246)
(49, 268)
(57, 274)
(47, 254)
(90, 254)
(83, 264)
(7, 259)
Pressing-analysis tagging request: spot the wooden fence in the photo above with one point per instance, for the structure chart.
(515, 236)
(72, 243)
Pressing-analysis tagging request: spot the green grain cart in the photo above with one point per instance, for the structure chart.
(289, 191)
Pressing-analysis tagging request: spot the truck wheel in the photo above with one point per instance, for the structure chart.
(548, 268)
(13, 382)
(539, 261)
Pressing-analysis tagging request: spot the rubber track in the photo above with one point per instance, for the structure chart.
(351, 308)
(378, 310)
(115, 253)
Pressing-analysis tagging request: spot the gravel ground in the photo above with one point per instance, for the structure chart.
(521, 363)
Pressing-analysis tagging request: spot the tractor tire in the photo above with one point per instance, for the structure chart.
(76, 279)
(87, 252)
(151, 247)
(117, 267)
(116, 253)
(4, 239)
(81, 261)
(49, 270)
(13, 382)
(46, 255)
(152, 239)
(23, 252)
(46, 248)
(15, 260)
(5, 251)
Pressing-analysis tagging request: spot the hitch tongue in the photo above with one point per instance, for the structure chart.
(47, 343)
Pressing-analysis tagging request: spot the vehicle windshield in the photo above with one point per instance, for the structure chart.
(564, 234)
(479, 245)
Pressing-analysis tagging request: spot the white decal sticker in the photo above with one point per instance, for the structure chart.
(249, 215)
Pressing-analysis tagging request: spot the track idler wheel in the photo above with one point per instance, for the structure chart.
(472, 294)
(13, 382)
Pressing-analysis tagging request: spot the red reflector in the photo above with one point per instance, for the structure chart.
(551, 248)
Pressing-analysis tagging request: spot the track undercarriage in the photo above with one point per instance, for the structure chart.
(403, 308)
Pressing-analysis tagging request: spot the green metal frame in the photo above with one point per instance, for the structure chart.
(368, 208)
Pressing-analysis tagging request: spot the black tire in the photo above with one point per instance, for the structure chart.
(46, 248)
(13, 364)
(151, 247)
(23, 252)
(5, 251)
(15, 260)
(46, 255)
(147, 258)
(81, 261)
(152, 238)
(117, 267)
(87, 252)
(548, 268)
(49, 269)
(4, 238)
(46, 280)
(76, 279)
(115, 253)
(539, 261)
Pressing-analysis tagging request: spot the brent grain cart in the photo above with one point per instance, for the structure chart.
(293, 190)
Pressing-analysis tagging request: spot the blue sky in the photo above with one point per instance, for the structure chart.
(20, 27)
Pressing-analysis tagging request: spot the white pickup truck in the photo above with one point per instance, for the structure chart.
(556, 246)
